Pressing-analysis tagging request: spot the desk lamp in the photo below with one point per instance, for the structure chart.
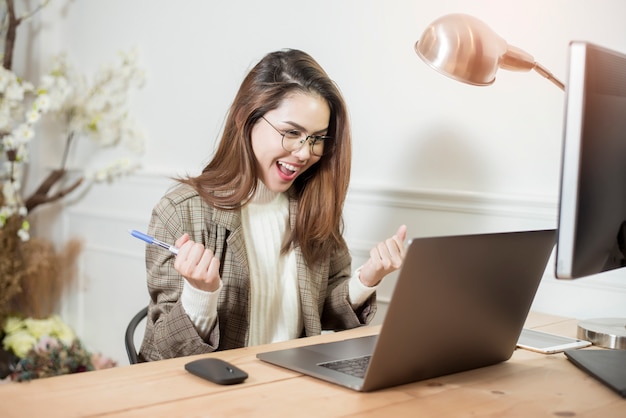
(467, 50)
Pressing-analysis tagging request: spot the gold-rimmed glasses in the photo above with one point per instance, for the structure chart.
(293, 140)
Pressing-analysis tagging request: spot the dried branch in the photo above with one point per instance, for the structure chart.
(13, 22)
(9, 40)
(40, 196)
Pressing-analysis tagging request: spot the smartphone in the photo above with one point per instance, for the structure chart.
(546, 343)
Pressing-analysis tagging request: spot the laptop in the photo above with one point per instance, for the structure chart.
(459, 303)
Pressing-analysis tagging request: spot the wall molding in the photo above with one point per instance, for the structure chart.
(518, 206)
(541, 209)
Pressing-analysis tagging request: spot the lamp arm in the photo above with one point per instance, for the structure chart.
(547, 74)
(516, 59)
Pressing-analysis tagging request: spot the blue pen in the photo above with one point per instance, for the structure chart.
(152, 240)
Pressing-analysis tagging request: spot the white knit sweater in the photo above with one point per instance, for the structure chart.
(275, 313)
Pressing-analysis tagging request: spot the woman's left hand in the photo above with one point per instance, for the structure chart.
(385, 258)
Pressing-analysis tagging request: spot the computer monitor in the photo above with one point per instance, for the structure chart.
(592, 204)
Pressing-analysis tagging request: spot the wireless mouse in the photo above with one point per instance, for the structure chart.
(217, 371)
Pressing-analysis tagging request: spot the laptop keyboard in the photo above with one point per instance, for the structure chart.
(356, 366)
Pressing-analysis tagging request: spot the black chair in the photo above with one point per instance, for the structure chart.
(130, 335)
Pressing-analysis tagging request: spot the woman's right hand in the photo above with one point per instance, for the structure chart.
(198, 265)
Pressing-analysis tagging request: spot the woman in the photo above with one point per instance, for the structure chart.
(261, 256)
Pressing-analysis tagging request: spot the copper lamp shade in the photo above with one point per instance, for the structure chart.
(467, 50)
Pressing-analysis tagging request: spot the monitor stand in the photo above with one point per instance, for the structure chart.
(604, 332)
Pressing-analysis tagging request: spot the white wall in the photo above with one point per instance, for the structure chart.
(436, 154)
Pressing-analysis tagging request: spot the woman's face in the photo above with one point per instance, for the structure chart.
(302, 112)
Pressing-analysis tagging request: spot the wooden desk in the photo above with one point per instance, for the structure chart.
(528, 385)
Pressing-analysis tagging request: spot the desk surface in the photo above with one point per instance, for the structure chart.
(529, 384)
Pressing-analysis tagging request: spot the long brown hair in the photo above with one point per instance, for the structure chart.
(230, 178)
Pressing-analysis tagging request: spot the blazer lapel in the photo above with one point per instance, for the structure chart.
(309, 284)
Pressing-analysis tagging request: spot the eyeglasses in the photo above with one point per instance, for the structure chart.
(293, 140)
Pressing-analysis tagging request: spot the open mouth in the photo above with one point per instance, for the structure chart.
(287, 171)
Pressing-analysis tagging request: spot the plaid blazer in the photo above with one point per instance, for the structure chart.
(169, 331)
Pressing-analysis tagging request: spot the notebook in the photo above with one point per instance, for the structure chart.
(459, 303)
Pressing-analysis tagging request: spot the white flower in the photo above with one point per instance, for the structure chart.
(114, 170)
(23, 235)
(5, 119)
(96, 110)
(47, 80)
(32, 116)
(26, 86)
(4, 215)
(10, 193)
(14, 92)
(8, 141)
(42, 103)
(23, 133)
(22, 153)
(5, 76)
